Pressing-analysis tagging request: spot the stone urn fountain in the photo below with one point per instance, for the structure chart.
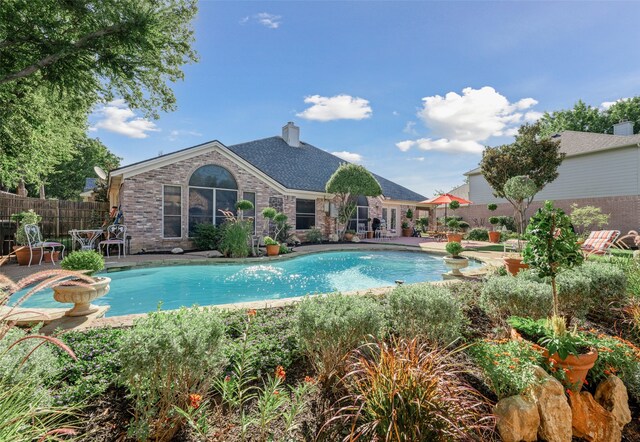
(81, 295)
(455, 262)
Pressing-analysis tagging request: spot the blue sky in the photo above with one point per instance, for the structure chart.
(411, 90)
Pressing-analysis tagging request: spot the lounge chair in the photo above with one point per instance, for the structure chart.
(599, 242)
(34, 241)
(116, 235)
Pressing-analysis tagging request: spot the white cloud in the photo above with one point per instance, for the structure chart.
(338, 107)
(409, 128)
(607, 104)
(532, 116)
(416, 159)
(267, 20)
(179, 133)
(349, 156)
(461, 123)
(116, 116)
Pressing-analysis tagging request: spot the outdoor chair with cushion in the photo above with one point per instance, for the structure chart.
(361, 232)
(599, 242)
(116, 234)
(34, 241)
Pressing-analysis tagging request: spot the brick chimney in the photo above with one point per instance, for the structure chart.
(291, 134)
(623, 128)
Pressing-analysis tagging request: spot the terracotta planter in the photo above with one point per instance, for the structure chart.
(273, 250)
(514, 265)
(454, 237)
(576, 367)
(348, 236)
(455, 264)
(494, 237)
(22, 254)
(81, 296)
(369, 235)
(407, 232)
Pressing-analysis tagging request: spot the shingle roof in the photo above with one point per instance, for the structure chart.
(579, 143)
(305, 167)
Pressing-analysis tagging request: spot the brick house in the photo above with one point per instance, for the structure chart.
(601, 170)
(163, 198)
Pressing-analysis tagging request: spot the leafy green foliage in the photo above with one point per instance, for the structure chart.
(422, 223)
(503, 296)
(454, 224)
(587, 218)
(234, 239)
(454, 248)
(615, 356)
(425, 311)
(330, 326)
(166, 357)
(519, 191)
(454, 205)
(508, 366)
(407, 391)
(244, 205)
(409, 214)
(268, 241)
(83, 260)
(22, 219)
(207, 236)
(313, 235)
(492, 207)
(552, 246)
(478, 234)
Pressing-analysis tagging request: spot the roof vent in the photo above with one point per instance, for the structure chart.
(625, 128)
(291, 134)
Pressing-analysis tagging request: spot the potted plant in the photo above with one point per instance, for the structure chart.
(273, 248)
(423, 223)
(514, 262)
(494, 236)
(551, 249)
(455, 262)
(454, 235)
(348, 235)
(21, 248)
(406, 228)
(78, 292)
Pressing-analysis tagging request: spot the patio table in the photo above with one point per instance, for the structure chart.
(85, 237)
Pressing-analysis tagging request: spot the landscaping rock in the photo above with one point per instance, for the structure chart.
(213, 254)
(553, 408)
(517, 419)
(612, 395)
(590, 421)
(333, 237)
(177, 251)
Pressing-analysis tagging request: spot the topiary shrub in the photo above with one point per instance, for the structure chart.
(574, 295)
(608, 285)
(331, 326)
(478, 234)
(426, 311)
(88, 260)
(504, 296)
(166, 357)
(207, 236)
(454, 248)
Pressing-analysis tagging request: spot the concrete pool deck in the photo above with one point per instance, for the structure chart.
(55, 320)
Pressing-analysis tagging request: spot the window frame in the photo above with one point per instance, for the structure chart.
(307, 214)
(213, 203)
(179, 215)
(255, 209)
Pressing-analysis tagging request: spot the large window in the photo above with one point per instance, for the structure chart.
(250, 196)
(171, 211)
(361, 214)
(211, 189)
(305, 214)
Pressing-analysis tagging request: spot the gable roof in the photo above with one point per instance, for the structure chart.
(575, 143)
(305, 168)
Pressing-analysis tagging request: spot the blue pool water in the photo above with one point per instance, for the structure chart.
(141, 290)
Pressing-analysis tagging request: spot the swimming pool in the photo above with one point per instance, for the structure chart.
(141, 290)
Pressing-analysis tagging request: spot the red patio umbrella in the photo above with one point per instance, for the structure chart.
(445, 198)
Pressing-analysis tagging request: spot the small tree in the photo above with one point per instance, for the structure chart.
(588, 217)
(552, 245)
(347, 183)
(243, 205)
(519, 191)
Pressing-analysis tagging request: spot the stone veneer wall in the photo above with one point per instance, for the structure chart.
(624, 210)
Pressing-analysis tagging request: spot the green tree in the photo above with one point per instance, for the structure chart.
(68, 180)
(588, 217)
(519, 191)
(582, 118)
(347, 183)
(529, 155)
(625, 110)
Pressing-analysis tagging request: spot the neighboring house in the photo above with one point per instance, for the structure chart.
(163, 198)
(601, 170)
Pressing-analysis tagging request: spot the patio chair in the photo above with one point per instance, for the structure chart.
(34, 241)
(382, 231)
(361, 231)
(599, 242)
(116, 234)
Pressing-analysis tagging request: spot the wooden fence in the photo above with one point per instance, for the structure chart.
(58, 217)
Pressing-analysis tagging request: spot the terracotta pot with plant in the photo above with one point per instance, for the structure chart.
(273, 248)
(551, 249)
(454, 235)
(494, 236)
(79, 292)
(21, 249)
(454, 261)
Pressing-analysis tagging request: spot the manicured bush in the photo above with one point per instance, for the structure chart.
(504, 296)
(454, 248)
(507, 221)
(426, 311)
(608, 284)
(166, 357)
(574, 294)
(234, 241)
(406, 391)
(207, 236)
(268, 241)
(478, 234)
(507, 365)
(331, 326)
(83, 260)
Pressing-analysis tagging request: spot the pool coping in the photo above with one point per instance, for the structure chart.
(487, 258)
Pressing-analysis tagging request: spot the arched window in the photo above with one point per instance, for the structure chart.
(211, 188)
